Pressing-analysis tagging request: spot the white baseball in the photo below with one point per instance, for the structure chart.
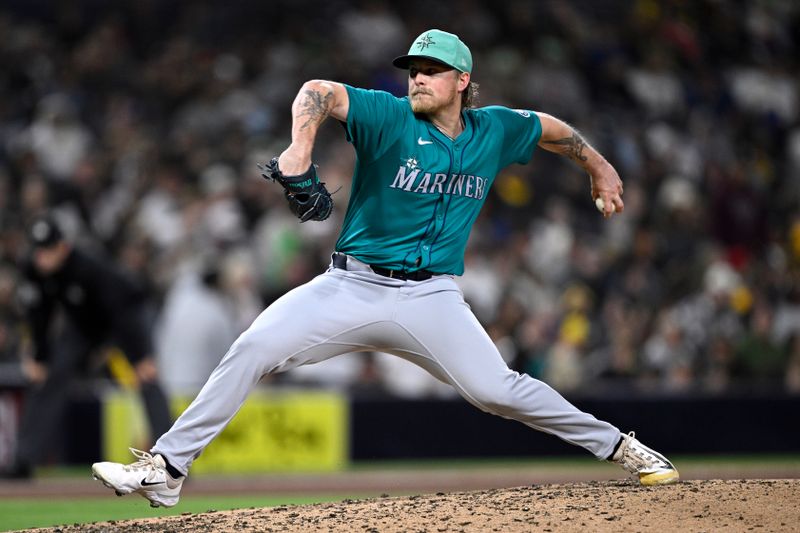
(601, 205)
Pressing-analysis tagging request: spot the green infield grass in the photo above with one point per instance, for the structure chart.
(16, 514)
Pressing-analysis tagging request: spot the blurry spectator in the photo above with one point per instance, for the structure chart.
(706, 314)
(239, 282)
(757, 359)
(34, 197)
(551, 243)
(614, 357)
(793, 367)
(718, 367)
(739, 216)
(222, 221)
(554, 80)
(57, 137)
(768, 91)
(99, 306)
(372, 31)
(655, 85)
(665, 355)
(160, 212)
(502, 329)
(283, 251)
(533, 342)
(786, 322)
(207, 306)
(10, 321)
(624, 364)
(196, 326)
(482, 286)
(563, 369)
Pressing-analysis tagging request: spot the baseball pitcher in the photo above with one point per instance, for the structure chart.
(424, 166)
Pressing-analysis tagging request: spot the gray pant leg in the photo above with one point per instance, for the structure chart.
(450, 342)
(326, 317)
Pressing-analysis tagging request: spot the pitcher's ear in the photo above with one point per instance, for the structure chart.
(463, 81)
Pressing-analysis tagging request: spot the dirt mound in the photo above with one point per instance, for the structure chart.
(745, 505)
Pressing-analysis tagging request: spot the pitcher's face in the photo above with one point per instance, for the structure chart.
(433, 86)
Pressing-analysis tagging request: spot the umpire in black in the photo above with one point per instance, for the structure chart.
(101, 307)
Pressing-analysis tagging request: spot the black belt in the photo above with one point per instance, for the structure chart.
(340, 261)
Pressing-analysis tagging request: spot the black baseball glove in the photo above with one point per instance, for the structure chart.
(307, 196)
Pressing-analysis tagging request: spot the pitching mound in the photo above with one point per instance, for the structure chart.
(746, 505)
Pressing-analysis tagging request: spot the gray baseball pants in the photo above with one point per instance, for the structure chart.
(342, 311)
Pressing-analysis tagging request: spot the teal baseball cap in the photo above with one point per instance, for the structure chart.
(439, 46)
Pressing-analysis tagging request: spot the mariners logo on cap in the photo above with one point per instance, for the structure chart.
(425, 42)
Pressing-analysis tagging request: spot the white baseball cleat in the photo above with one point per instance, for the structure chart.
(651, 467)
(148, 476)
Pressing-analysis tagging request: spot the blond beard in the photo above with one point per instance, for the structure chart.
(427, 106)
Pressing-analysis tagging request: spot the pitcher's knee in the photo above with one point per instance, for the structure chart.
(244, 345)
(507, 395)
(246, 348)
(499, 401)
(264, 353)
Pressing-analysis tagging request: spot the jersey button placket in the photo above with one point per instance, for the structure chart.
(425, 253)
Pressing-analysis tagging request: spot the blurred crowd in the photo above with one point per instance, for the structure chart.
(137, 125)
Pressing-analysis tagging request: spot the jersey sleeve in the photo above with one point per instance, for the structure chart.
(521, 132)
(375, 120)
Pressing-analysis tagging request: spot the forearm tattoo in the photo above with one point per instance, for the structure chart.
(314, 105)
(571, 147)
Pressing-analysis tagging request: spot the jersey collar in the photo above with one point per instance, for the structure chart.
(466, 134)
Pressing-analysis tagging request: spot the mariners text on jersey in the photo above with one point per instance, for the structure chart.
(429, 183)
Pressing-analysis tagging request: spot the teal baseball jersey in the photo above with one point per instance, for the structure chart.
(415, 192)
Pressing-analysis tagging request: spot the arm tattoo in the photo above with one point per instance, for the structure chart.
(571, 147)
(315, 106)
